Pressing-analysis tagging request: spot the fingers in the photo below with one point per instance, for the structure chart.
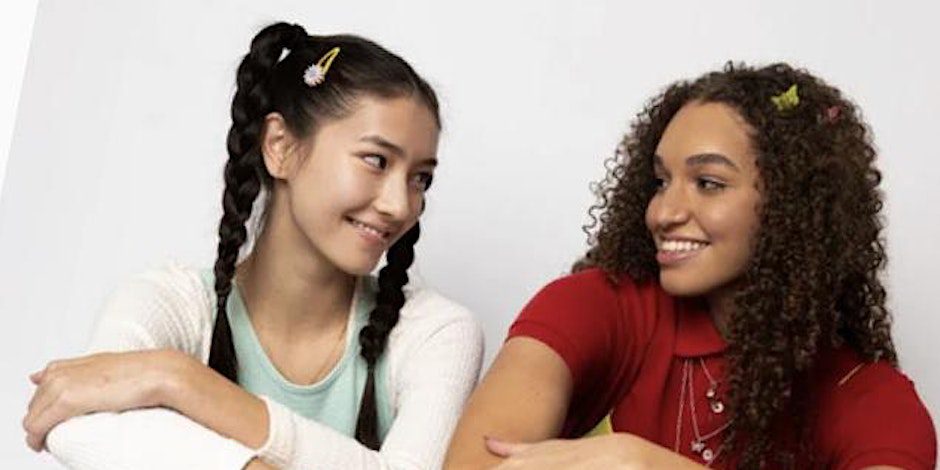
(48, 408)
(502, 448)
(33, 442)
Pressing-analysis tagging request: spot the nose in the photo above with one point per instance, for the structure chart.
(669, 208)
(394, 199)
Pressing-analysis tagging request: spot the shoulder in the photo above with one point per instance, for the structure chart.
(594, 294)
(844, 377)
(436, 335)
(166, 306)
(427, 311)
(171, 281)
(871, 410)
(594, 286)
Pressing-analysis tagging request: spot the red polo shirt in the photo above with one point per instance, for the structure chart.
(629, 346)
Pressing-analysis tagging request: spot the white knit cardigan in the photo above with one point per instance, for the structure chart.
(434, 357)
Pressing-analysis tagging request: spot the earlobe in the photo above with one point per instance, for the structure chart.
(276, 144)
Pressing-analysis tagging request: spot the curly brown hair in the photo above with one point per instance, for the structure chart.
(813, 281)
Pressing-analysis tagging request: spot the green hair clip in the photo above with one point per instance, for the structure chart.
(787, 100)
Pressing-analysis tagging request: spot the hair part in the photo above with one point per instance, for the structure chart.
(267, 83)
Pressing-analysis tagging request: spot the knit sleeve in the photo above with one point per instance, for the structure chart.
(167, 307)
(143, 439)
(434, 370)
(164, 308)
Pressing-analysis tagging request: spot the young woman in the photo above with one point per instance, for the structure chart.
(293, 356)
(729, 312)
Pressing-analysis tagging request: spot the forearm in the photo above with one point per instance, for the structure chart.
(634, 451)
(143, 439)
(213, 401)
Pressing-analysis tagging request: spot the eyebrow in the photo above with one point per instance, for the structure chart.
(700, 159)
(397, 150)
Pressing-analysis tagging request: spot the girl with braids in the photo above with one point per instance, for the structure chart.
(729, 312)
(311, 363)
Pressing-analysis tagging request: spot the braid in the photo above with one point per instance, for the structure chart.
(382, 319)
(244, 175)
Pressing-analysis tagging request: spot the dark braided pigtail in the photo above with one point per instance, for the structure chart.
(269, 83)
(373, 337)
(244, 174)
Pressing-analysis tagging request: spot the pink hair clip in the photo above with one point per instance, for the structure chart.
(832, 113)
(316, 73)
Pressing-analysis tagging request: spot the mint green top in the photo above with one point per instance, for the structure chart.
(334, 400)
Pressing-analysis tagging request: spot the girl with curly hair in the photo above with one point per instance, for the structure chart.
(292, 355)
(729, 312)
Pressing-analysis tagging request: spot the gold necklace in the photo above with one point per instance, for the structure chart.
(329, 358)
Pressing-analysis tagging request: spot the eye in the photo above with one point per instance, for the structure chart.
(659, 183)
(710, 184)
(375, 160)
(422, 181)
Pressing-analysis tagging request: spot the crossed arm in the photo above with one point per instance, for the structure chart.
(523, 399)
(153, 404)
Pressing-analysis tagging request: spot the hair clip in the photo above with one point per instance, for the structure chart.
(787, 100)
(833, 113)
(316, 73)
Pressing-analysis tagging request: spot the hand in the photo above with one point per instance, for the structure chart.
(99, 382)
(617, 450)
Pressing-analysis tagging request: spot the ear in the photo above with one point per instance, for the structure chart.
(277, 146)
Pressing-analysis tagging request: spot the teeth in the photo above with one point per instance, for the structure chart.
(681, 245)
(369, 229)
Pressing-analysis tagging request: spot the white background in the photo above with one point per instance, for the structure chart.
(116, 152)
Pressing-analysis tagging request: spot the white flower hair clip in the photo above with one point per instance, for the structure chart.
(316, 73)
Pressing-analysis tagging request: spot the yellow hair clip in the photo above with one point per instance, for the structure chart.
(786, 100)
(316, 73)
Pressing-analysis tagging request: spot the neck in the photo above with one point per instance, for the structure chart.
(288, 285)
(720, 305)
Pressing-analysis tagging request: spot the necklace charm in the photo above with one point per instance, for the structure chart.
(699, 443)
(717, 407)
(708, 455)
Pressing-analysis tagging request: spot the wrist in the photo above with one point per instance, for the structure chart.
(623, 446)
(174, 378)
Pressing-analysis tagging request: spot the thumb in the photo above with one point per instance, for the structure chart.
(35, 377)
(503, 448)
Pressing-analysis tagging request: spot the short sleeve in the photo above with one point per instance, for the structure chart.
(881, 421)
(575, 316)
(581, 318)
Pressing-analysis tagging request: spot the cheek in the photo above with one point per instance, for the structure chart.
(734, 227)
(341, 187)
(651, 210)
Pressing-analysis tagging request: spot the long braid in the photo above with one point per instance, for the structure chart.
(374, 336)
(269, 83)
(244, 175)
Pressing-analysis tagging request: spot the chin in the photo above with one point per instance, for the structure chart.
(357, 265)
(361, 269)
(684, 286)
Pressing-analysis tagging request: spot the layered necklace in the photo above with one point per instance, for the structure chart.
(700, 444)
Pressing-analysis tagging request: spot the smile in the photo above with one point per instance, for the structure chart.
(370, 232)
(675, 251)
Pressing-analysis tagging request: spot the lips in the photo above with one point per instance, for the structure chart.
(373, 233)
(676, 250)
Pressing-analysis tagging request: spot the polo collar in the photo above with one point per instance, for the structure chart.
(696, 334)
